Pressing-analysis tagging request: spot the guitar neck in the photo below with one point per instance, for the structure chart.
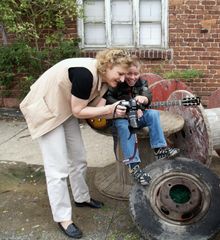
(165, 104)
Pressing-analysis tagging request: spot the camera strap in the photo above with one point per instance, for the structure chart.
(115, 110)
(115, 139)
(130, 159)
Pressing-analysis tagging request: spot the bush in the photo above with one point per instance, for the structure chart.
(22, 65)
(35, 20)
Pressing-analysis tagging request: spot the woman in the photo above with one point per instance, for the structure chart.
(69, 90)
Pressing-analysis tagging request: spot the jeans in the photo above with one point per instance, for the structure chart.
(150, 119)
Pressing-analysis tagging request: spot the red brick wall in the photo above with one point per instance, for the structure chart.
(194, 42)
(194, 36)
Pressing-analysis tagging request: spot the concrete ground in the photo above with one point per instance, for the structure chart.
(24, 207)
(17, 145)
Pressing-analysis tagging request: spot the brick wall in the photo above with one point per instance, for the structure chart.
(194, 42)
(194, 33)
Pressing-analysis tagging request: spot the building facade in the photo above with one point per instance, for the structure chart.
(167, 35)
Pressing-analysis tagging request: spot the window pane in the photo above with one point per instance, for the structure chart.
(122, 35)
(150, 10)
(94, 34)
(94, 11)
(121, 10)
(150, 34)
(124, 23)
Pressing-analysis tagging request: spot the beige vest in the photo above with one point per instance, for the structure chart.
(48, 104)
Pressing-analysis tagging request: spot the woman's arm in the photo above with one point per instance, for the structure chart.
(80, 109)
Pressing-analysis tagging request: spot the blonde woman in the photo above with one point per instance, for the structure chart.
(70, 90)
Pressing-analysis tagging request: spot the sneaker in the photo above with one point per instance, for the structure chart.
(166, 152)
(140, 176)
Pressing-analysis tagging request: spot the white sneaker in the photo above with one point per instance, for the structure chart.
(140, 175)
(166, 152)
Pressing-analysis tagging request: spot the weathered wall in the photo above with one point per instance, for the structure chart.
(194, 42)
(194, 36)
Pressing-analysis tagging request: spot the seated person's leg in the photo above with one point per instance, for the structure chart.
(130, 151)
(151, 119)
(127, 142)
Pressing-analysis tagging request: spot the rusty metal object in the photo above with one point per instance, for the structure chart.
(181, 201)
(195, 139)
(214, 99)
(151, 78)
(161, 90)
(180, 197)
(115, 181)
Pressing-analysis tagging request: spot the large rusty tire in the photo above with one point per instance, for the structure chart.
(181, 202)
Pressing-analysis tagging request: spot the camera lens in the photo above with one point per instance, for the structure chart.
(132, 118)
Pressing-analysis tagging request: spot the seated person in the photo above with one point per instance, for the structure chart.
(134, 87)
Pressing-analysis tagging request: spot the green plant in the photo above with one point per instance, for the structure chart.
(30, 20)
(25, 84)
(6, 79)
(66, 49)
(22, 65)
(16, 60)
(184, 74)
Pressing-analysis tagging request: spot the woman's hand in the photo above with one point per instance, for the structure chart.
(118, 111)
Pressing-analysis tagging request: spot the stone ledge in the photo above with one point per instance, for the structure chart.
(10, 113)
(151, 54)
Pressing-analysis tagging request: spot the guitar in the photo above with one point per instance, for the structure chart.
(103, 123)
(187, 102)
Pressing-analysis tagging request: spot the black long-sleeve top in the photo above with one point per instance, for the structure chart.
(124, 92)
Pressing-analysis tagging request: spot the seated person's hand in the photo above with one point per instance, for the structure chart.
(141, 99)
(139, 113)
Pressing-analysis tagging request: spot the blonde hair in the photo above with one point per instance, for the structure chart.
(111, 57)
(137, 63)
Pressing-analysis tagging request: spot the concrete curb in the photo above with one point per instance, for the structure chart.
(11, 113)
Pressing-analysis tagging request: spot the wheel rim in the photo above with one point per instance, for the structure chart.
(179, 198)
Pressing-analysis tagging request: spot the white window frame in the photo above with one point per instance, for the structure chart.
(136, 25)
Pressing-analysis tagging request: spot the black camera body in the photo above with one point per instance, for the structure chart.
(131, 111)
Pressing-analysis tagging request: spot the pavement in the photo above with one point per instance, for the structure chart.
(24, 207)
(15, 138)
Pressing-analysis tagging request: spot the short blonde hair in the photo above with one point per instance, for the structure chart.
(137, 63)
(111, 57)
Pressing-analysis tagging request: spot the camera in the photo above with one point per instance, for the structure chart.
(131, 111)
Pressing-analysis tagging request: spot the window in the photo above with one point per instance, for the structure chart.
(124, 23)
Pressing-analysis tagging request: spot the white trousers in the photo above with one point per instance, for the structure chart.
(64, 155)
